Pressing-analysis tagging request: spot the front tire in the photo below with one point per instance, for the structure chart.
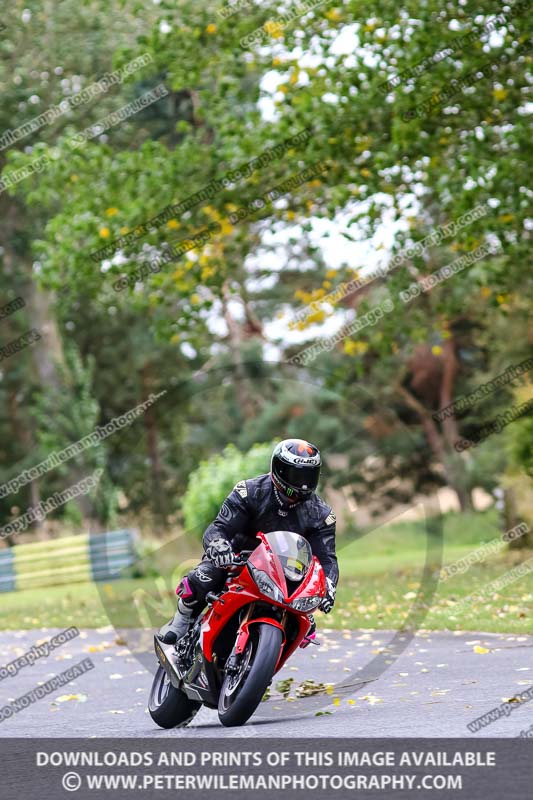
(169, 707)
(240, 695)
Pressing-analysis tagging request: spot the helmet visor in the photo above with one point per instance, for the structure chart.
(301, 478)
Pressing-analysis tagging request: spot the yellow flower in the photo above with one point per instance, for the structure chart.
(499, 94)
(331, 273)
(326, 284)
(173, 223)
(283, 88)
(501, 298)
(207, 272)
(124, 230)
(274, 29)
(365, 172)
(175, 338)
(436, 350)
(290, 215)
(74, 178)
(195, 299)
(110, 212)
(350, 347)
(334, 15)
(294, 77)
(226, 227)
(104, 233)
(485, 291)
(316, 316)
(277, 61)
(211, 28)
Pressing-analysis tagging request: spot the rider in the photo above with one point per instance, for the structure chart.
(284, 499)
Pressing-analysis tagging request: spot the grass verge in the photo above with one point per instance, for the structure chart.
(380, 578)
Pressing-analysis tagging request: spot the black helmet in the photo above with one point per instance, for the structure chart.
(295, 468)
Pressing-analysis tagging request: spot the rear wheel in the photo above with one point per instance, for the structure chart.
(241, 693)
(169, 707)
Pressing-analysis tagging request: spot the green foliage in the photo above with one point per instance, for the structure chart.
(383, 167)
(214, 479)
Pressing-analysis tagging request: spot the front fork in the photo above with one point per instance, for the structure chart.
(232, 664)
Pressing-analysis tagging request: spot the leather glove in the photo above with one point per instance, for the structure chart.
(329, 600)
(220, 552)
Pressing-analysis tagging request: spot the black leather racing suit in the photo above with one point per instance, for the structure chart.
(253, 506)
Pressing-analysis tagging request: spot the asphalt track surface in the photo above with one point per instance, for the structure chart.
(439, 683)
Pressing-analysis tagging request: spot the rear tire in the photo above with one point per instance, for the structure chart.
(169, 707)
(240, 697)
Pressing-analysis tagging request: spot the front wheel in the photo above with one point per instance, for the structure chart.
(241, 693)
(169, 707)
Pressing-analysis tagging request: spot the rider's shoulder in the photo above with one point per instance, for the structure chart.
(253, 488)
(241, 489)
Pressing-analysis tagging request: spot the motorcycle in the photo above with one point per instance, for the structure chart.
(227, 659)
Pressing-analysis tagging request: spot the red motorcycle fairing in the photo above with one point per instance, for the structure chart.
(243, 591)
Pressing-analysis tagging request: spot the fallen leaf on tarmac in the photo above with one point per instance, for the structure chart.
(284, 687)
(64, 697)
(97, 648)
(371, 699)
(481, 650)
(336, 701)
(322, 713)
(308, 688)
(121, 641)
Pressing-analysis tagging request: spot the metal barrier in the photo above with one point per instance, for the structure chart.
(70, 559)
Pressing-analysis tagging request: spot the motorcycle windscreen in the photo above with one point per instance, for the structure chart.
(294, 553)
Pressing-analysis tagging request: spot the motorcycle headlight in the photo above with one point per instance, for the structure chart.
(306, 603)
(266, 584)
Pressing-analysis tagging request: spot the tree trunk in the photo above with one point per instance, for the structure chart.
(438, 448)
(450, 428)
(235, 340)
(158, 503)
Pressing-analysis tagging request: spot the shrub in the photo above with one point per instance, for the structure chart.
(214, 479)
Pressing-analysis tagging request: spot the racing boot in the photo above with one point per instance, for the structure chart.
(178, 625)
